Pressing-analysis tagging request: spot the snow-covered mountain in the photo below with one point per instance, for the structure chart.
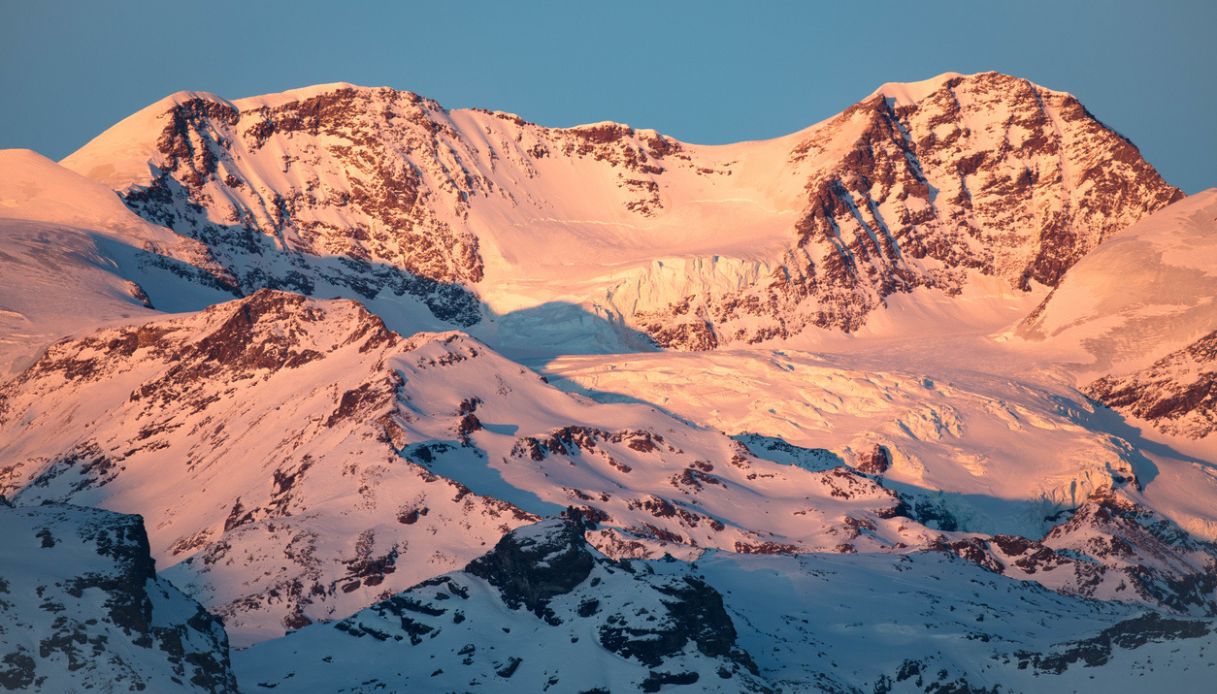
(73, 258)
(542, 611)
(961, 442)
(1137, 317)
(83, 609)
(258, 440)
(371, 192)
(297, 461)
(281, 329)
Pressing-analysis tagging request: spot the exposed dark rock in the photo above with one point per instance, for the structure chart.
(876, 461)
(104, 619)
(1177, 394)
(530, 567)
(1128, 634)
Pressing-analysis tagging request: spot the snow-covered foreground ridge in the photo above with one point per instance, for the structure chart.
(296, 461)
(916, 188)
(545, 612)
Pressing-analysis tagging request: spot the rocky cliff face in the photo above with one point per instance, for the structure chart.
(83, 609)
(918, 187)
(374, 190)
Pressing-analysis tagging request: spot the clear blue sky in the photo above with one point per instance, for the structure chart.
(706, 72)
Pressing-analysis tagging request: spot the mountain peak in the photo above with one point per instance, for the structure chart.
(910, 93)
(299, 94)
(913, 93)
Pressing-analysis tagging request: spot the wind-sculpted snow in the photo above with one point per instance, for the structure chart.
(82, 608)
(694, 246)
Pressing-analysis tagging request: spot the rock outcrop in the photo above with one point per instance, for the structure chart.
(1177, 394)
(82, 608)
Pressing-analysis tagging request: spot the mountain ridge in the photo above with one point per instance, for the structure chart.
(695, 246)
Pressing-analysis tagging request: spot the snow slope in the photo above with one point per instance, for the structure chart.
(296, 460)
(544, 612)
(933, 622)
(541, 612)
(1142, 294)
(974, 436)
(257, 440)
(73, 257)
(968, 443)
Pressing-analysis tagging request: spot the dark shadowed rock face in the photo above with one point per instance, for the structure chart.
(696, 615)
(83, 609)
(536, 563)
(1177, 394)
(1128, 634)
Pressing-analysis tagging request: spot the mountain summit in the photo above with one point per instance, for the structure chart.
(918, 189)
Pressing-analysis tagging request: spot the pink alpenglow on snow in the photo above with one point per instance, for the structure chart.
(338, 389)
